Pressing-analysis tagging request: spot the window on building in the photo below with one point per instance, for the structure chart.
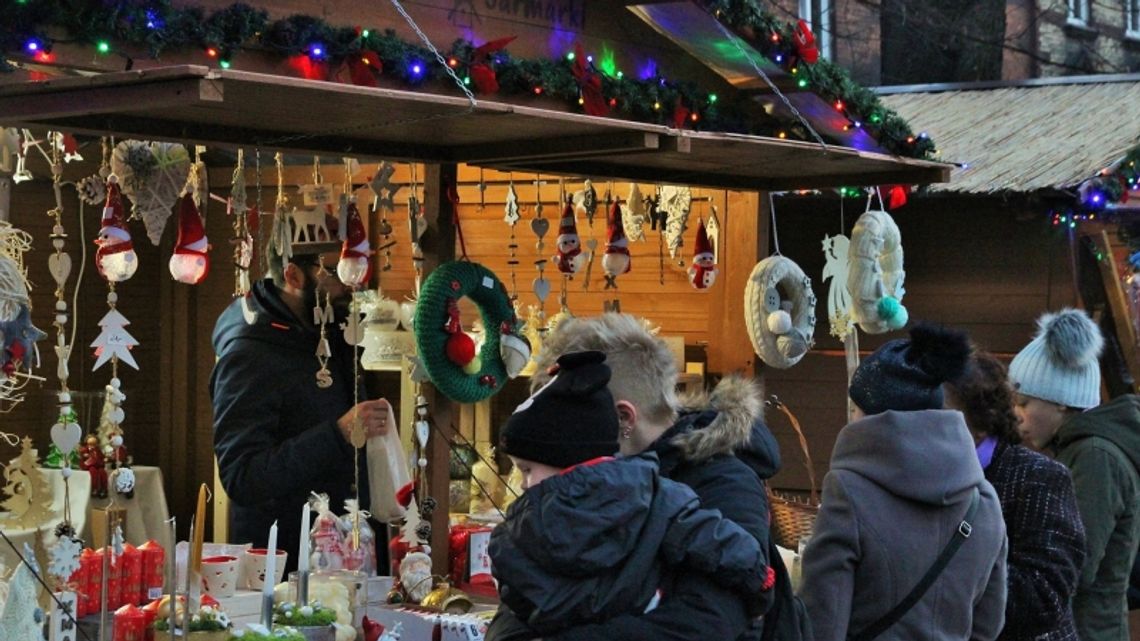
(1079, 12)
(818, 14)
(1132, 19)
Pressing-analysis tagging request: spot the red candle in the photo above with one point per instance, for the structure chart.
(130, 623)
(114, 580)
(132, 575)
(153, 560)
(91, 563)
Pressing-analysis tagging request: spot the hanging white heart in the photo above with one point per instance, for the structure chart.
(541, 288)
(66, 436)
(540, 226)
(60, 267)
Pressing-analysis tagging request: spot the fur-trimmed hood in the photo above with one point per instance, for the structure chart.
(727, 420)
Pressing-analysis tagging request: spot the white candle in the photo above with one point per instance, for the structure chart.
(303, 553)
(271, 561)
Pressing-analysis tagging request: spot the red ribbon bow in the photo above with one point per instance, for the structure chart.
(481, 72)
(589, 84)
(804, 41)
(896, 195)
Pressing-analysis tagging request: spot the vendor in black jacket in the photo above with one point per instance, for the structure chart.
(278, 435)
(721, 449)
(593, 537)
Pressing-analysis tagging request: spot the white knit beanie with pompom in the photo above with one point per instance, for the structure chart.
(1061, 363)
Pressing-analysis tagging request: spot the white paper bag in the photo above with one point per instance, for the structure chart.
(387, 472)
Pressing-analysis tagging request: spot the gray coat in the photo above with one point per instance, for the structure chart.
(899, 485)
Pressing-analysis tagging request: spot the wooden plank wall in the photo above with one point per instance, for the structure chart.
(980, 264)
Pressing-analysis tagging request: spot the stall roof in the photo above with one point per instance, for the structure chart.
(1026, 136)
(234, 108)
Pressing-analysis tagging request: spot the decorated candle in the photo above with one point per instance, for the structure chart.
(153, 558)
(130, 623)
(132, 575)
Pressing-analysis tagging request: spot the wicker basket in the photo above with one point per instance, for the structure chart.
(793, 517)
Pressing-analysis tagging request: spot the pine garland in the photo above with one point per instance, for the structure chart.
(157, 26)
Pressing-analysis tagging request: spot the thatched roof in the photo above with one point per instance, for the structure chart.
(1039, 135)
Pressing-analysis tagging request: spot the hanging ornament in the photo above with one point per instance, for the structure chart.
(836, 250)
(569, 257)
(702, 273)
(539, 225)
(591, 253)
(511, 211)
(875, 276)
(616, 260)
(511, 217)
(190, 262)
(322, 316)
(481, 70)
(897, 195)
(355, 265)
(114, 342)
(92, 461)
(115, 258)
(28, 491)
(316, 194)
(281, 236)
(242, 240)
(633, 215)
(63, 555)
(383, 202)
(152, 175)
(9, 148)
(676, 203)
(587, 200)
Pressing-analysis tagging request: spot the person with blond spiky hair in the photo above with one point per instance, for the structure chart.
(718, 445)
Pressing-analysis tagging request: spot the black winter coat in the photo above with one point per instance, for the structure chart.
(590, 544)
(275, 433)
(724, 452)
(1046, 544)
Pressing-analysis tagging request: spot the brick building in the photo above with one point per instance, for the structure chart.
(915, 41)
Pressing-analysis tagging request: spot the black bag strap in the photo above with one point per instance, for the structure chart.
(892, 617)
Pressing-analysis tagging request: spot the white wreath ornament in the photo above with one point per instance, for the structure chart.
(779, 311)
(875, 274)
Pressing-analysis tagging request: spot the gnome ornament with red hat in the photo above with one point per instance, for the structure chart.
(702, 273)
(569, 258)
(355, 265)
(115, 259)
(191, 259)
(616, 260)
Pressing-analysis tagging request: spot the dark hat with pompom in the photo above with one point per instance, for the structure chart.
(1061, 363)
(907, 375)
(570, 420)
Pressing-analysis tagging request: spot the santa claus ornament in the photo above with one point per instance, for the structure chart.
(702, 273)
(191, 261)
(616, 260)
(569, 257)
(115, 259)
(355, 265)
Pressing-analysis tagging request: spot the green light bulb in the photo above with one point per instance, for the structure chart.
(712, 97)
(570, 56)
(224, 64)
(802, 83)
(364, 34)
(103, 46)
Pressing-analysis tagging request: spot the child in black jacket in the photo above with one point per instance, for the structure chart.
(591, 536)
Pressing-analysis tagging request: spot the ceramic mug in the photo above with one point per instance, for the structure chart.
(253, 568)
(219, 575)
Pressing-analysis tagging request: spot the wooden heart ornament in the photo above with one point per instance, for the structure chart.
(60, 267)
(66, 436)
(541, 288)
(540, 226)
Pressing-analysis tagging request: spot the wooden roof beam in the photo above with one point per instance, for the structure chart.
(569, 148)
(79, 101)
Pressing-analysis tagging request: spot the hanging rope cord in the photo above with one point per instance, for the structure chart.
(760, 72)
(775, 230)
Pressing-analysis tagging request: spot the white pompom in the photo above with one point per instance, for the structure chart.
(117, 440)
(779, 322)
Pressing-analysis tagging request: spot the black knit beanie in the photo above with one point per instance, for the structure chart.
(907, 375)
(569, 420)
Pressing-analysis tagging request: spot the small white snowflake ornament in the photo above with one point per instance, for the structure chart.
(63, 557)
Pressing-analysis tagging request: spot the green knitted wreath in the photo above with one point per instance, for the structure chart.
(437, 323)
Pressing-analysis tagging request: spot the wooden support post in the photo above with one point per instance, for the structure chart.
(5, 195)
(743, 242)
(439, 247)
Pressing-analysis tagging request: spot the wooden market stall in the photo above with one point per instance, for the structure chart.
(477, 146)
